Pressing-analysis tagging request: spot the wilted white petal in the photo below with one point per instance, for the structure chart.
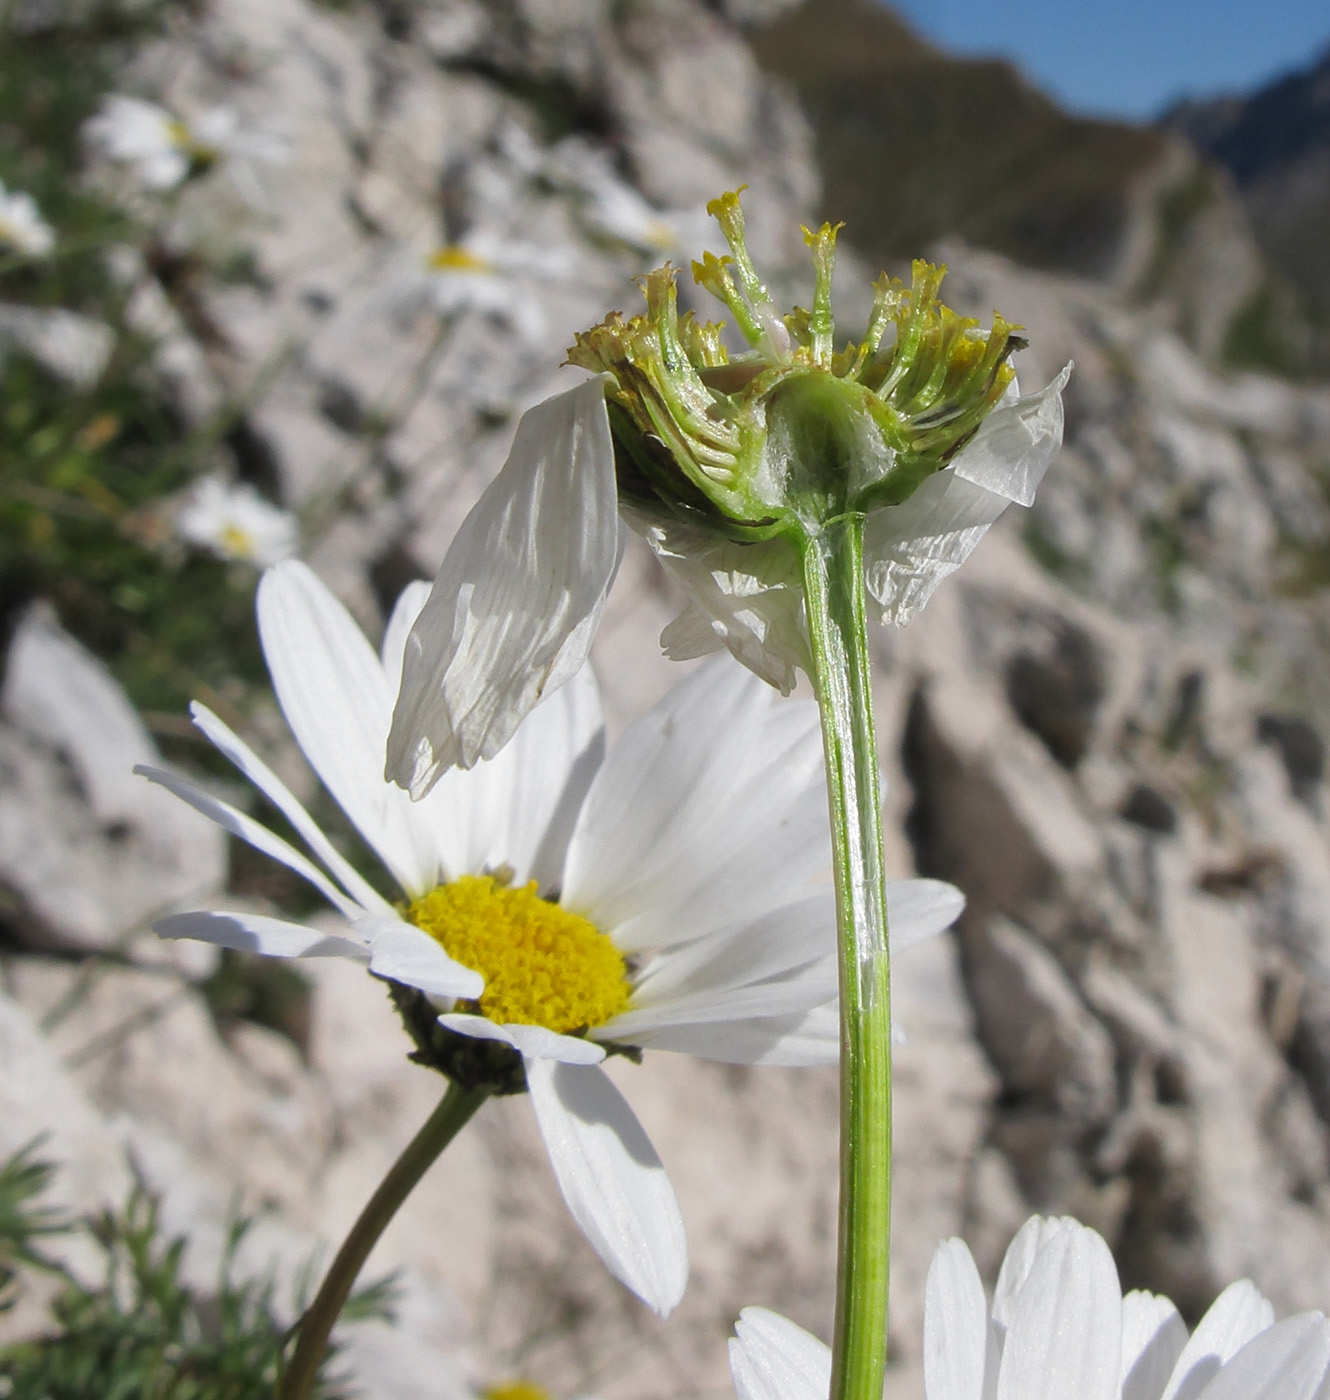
(959, 1347)
(515, 604)
(335, 697)
(1286, 1362)
(534, 1042)
(612, 1179)
(751, 593)
(1232, 1320)
(256, 933)
(403, 953)
(1065, 1334)
(1014, 445)
(773, 1359)
(910, 548)
(1153, 1335)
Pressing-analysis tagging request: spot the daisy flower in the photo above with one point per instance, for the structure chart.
(558, 903)
(22, 228)
(1059, 1328)
(163, 149)
(235, 522)
(491, 276)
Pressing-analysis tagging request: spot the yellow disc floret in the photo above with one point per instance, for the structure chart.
(542, 965)
(515, 1390)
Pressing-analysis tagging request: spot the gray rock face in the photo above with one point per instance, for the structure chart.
(88, 851)
(1106, 729)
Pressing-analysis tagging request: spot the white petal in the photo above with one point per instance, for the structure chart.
(286, 802)
(751, 596)
(517, 598)
(794, 996)
(1065, 1335)
(1036, 1234)
(773, 1359)
(1014, 445)
(1233, 1319)
(256, 933)
(612, 1180)
(920, 909)
(709, 810)
(337, 700)
(959, 1348)
(1285, 1362)
(534, 1042)
(406, 954)
(519, 808)
(251, 832)
(402, 619)
(1153, 1336)
(811, 1039)
(768, 946)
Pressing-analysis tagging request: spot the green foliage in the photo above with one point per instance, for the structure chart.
(1177, 207)
(84, 471)
(22, 1222)
(1267, 334)
(143, 1333)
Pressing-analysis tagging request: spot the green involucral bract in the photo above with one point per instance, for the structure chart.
(793, 432)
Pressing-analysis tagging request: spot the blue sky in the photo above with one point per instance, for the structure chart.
(1130, 58)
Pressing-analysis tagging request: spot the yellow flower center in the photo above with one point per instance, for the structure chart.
(542, 965)
(235, 542)
(452, 257)
(515, 1390)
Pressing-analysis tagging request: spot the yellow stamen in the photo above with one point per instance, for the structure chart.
(542, 965)
(452, 257)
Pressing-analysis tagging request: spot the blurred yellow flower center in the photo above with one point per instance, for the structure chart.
(542, 965)
(515, 1390)
(452, 257)
(237, 543)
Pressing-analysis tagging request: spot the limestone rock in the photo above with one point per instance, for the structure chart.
(88, 851)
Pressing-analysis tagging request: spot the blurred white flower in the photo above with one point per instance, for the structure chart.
(73, 347)
(235, 522)
(486, 274)
(22, 228)
(560, 900)
(616, 210)
(606, 205)
(163, 149)
(1060, 1329)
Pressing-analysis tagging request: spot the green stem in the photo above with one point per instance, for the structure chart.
(455, 1109)
(833, 570)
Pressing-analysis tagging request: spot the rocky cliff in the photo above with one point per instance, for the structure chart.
(1106, 730)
